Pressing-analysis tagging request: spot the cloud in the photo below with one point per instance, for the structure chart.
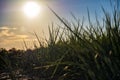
(10, 33)
(7, 28)
(9, 36)
(6, 31)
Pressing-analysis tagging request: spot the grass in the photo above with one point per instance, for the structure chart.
(72, 52)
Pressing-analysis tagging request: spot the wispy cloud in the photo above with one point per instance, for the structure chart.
(9, 33)
(7, 28)
(9, 36)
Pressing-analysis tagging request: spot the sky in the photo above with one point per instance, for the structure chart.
(16, 27)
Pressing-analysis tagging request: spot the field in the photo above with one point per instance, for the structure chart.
(72, 52)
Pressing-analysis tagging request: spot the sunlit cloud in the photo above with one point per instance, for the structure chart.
(7, 28)
(6, 33)
(9, 36)
(10, 32)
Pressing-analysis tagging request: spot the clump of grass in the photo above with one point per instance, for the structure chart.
(91, 53)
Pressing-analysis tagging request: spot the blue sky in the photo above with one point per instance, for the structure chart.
(9, 9)
(14, 25)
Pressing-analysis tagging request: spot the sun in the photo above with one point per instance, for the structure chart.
(31, 9)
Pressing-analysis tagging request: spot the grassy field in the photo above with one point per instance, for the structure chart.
(72, 52)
